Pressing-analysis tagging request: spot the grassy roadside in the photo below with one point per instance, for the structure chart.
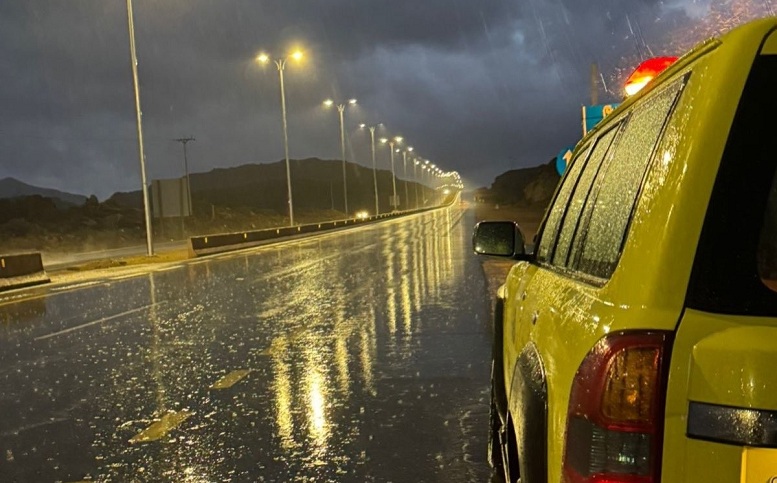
(115, 262)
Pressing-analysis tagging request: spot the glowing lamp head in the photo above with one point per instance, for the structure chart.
(297, 55)
(263, 58)
(410, 149)
(645, 72)
(398, 139)
(329, 102)
(383, 140)
(352, 101)
(362, 125)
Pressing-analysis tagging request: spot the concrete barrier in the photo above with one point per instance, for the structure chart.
(226, 242)
(21, 270)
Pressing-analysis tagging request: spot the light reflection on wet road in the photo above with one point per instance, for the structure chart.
(359, 356)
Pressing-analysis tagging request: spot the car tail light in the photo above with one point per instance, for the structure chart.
(615, 420)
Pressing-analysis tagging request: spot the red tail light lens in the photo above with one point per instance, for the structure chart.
(615, 419)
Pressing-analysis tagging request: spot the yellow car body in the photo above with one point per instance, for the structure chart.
(649, 248)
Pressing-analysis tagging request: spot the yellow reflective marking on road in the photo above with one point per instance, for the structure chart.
(161, 428)
(230, 379)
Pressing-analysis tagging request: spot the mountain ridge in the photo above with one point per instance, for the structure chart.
(13, 188)
(531, 187)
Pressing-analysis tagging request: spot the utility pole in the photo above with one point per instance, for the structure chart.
(183, 141)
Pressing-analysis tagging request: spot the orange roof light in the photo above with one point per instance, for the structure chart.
(645, 72)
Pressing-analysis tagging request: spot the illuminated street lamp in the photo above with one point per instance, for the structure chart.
(374, 167)
(139, 123)
(341, 110)
(391, 142)
(280, 63)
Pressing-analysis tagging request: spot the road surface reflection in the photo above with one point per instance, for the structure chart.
(357, 356)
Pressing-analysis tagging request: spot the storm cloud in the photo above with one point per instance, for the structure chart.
(476, 86)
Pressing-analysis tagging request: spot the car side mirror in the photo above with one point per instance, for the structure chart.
(500, 239)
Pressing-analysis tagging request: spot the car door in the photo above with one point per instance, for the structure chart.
(529, 386)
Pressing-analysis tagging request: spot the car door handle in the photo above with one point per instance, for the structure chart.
(534, 317)
(523, 296)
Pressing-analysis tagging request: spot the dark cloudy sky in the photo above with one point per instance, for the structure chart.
(477, 86)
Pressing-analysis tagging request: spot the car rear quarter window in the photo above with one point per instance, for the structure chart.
(619, 181)
(557, 210)
(581, 192)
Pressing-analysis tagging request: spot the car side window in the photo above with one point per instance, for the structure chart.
(556, 211)
(574, 209)
(618, 184)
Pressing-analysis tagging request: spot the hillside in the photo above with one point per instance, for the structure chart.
(527, 187)
(316, 184)
(224, 200)
(13, 188)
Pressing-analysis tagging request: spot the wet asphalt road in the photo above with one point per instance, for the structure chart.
(357, 356)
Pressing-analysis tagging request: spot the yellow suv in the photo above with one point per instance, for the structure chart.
(638, 342)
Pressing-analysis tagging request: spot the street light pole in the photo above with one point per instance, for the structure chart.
(428, 169)
(374, 168)
(393, 177)
(341, 110)
(183, 141)
(374, 165)
(390, 142)
(404, 171)
(424, 188)
(415, 179)
(281, 65)
(138, 115)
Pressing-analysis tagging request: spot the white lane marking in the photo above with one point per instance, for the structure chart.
(100, 321)
(77, 285)
(124, 277)
(176, 267)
